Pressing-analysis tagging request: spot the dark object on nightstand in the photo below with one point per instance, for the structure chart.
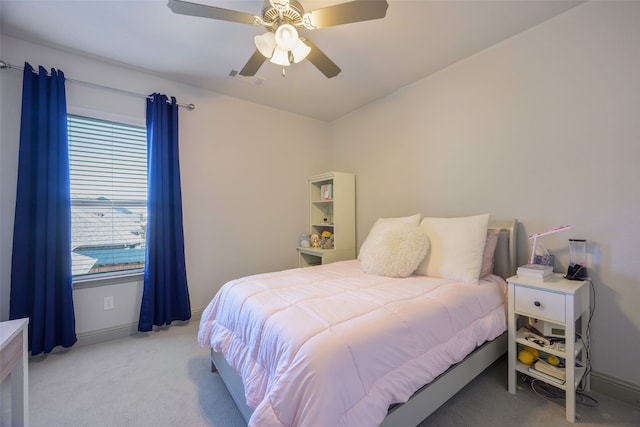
(577, 260)
(576, 272)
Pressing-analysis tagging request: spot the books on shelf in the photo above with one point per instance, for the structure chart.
(549, 369)
(546, 376)
(554, 373)
(535, 271)
(535, 278)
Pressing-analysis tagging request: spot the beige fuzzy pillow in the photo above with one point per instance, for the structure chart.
(396, 251)
(382, 224)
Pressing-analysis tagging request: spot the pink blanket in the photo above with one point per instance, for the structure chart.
(332, 346)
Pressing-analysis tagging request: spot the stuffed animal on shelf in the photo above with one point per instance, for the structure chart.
(326, 240)
(315, 240)
(304, 240)
(327, 243)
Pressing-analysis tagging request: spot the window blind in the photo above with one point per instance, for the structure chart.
(108, 177)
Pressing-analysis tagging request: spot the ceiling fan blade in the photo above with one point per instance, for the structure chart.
(345, 13)
(322, 61)
(204, 11)
(253, 64)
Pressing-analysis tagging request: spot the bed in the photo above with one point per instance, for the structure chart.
(338, 345)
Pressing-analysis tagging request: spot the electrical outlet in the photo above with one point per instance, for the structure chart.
(108, 303)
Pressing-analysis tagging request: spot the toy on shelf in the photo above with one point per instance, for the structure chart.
(326, 239)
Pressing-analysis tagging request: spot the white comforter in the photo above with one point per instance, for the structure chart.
(332, 346)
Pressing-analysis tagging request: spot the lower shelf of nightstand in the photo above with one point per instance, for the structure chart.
(558, 351)
(579, 370)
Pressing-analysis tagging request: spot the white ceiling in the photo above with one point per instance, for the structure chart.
(415, 39)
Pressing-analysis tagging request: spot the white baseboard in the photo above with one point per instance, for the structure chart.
(615, 388)
(122, 331)
(106, 334)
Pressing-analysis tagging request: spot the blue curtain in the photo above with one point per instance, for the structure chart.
(41, 286)
(165, 296)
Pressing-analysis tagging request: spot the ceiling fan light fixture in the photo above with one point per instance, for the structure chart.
(286, 37)
(283, 19)
(280, 57)
(279, 5)
(266, 43)
(300, 51)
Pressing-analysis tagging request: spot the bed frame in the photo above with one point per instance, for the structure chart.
(431, 396)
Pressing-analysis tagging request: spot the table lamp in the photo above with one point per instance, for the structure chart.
(534, 237)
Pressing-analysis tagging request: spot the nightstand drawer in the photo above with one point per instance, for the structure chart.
(540, 304)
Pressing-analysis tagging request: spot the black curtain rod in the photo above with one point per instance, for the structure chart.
(189, 107)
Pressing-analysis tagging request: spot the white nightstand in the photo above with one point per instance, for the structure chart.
(559, 301)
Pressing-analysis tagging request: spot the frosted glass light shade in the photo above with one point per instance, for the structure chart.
(265, 43)
(300, 51)
(280, 57)
(286, 36)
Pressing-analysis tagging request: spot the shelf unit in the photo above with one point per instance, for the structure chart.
(561, 302)
(560, 352)
(334, 210)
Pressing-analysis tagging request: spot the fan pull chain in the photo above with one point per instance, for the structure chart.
(283, 72)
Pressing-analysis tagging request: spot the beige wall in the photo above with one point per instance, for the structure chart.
(244, 187)
(543, 128)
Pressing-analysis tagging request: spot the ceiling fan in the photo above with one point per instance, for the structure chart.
(283, 19)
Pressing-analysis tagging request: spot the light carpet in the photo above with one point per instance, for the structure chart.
(163, 378)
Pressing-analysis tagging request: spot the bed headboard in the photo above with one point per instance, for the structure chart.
(504, 258)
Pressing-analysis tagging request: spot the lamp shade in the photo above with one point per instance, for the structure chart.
(286, 36)
(300, 51)
(280, 57)
(266, 43)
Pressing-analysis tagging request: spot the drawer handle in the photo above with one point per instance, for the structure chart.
(537, 304)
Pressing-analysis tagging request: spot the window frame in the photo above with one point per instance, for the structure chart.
(118, 276)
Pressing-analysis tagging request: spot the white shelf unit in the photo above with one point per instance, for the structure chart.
(333, 211)
(559, 301)
(521, 367)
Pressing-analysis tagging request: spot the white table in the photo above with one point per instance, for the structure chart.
(561, 302)
(13, 360)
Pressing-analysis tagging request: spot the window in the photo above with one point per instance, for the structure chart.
(108, 174)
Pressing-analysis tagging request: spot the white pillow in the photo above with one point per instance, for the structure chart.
(383, 223)
(395, 251)
(456, 247)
